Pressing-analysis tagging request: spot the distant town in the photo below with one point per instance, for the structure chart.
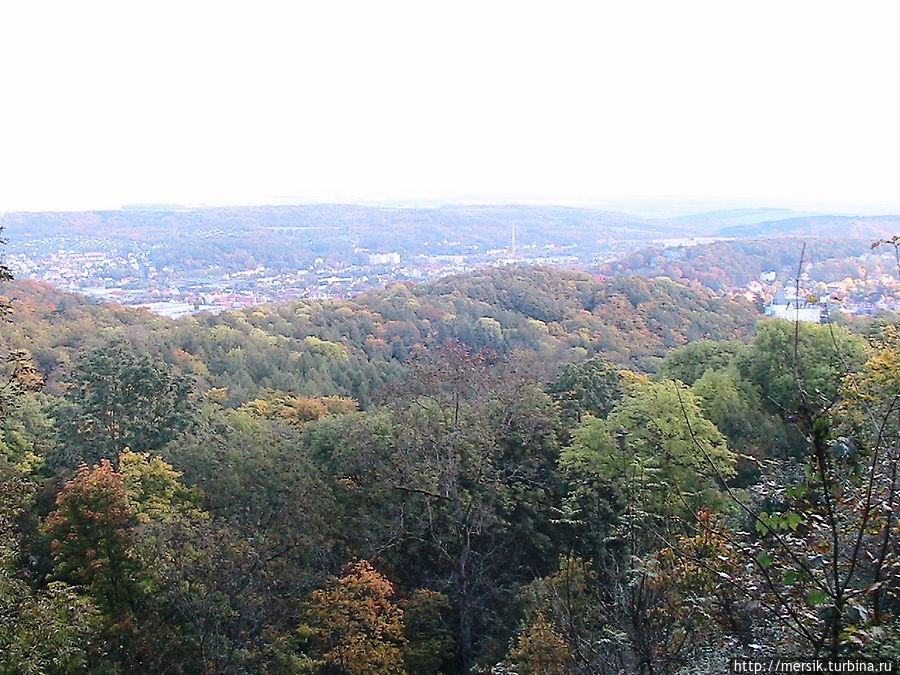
(132, 278)
(177, 263)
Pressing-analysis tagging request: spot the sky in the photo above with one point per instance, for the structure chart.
(791, 104)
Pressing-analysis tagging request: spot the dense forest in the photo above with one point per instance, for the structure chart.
(520, 470)
(353, 347)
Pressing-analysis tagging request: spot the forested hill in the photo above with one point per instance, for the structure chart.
(868, 227)
(353, 347)
(723, 265)
(272, 235)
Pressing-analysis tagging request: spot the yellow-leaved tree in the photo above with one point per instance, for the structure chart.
(359, 628)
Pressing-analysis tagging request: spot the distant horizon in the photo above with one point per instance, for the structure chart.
(662, 207)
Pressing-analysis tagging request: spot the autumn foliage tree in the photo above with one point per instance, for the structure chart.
(541, 649)
(359, 627)
(93, 534)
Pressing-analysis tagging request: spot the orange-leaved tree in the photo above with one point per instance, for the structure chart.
(93, 536)
(360, 629)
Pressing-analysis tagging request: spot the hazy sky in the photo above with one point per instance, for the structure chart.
(788, 102)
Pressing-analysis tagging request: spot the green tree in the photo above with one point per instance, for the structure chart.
(754, 432)
(429, 641)
(798, 366)
(592, 387)
(50, 631)
(28, 435)
(119, 399)
(569, 609)
(656, 448)
(216, 602)
(472, 466)
(690, 362)
(154, 489)
(821, 560)
(256, 475)
(825, 554)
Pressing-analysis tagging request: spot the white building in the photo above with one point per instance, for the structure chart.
(171, 310)
(392, 258)
(795, 312)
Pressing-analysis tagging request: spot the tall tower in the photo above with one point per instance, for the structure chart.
(513, 249)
